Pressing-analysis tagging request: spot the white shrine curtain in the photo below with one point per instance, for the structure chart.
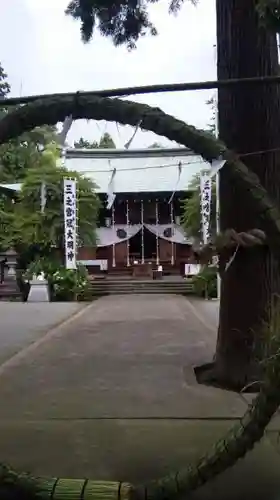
(107, 236)
(178, 235)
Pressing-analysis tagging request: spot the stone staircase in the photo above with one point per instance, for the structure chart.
(101, 287)
(9, 292)
(123, 271)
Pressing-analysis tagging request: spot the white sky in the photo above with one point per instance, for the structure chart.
(42, 52)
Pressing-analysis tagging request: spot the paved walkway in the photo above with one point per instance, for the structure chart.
(24, 323)
(111, 394)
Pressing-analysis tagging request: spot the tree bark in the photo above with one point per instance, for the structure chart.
(249, 120)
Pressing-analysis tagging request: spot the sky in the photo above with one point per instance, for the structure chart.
(42, 52)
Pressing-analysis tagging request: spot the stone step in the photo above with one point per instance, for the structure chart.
(9, 290)
(97, 293)
(122, 287)
(142, 289)
(163, 282)
(140, 283)
(156, 284)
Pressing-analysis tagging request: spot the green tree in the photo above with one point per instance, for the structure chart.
(212, 125)
(85, 144)
(21, 153)
(34, 232)
(155, 145)
(191, 219)
(106, 142)
(125, 22)
(4, 85)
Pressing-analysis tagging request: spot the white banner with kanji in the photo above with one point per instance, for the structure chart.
(205, 206)
(70, 223)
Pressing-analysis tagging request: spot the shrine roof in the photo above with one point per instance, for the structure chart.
(138, 170)
(11, 187)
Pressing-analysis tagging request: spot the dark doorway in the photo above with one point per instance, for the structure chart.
(150, 246)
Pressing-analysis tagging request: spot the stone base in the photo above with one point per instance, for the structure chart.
(39, 291)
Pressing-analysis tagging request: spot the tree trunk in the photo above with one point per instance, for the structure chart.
(249, 118)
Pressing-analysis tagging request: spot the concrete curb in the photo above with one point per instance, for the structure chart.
(200, 317)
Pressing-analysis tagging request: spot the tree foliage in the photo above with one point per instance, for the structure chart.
(191, 219)
(4, 85)
(125, 21)
(155, 145)
(269, 12)
(212, 103)
(20, 154)
(31, 159)
(122, 21)
(106, 142)
(26, 225)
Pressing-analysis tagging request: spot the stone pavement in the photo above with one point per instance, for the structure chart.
(112, 395)
(24, 323)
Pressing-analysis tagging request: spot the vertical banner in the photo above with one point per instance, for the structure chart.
(127, 230)
(113, 246)
(157, 242)
(172, 225)
(70, 223)
(205, 206)
(142, 234)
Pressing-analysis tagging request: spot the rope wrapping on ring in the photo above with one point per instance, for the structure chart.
(231, 239)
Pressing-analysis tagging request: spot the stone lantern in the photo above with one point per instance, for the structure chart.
(11, 256)
(9, 285)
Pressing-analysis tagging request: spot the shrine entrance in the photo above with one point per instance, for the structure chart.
(143, 244)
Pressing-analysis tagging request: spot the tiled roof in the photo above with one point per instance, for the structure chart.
(149, 170)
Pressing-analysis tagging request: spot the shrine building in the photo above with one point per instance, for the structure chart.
(141, 193)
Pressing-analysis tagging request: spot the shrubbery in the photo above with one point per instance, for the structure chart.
(205, 282)
(65, 284)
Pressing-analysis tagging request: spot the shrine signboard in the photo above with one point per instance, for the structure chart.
(70, 223)
(205, 206)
